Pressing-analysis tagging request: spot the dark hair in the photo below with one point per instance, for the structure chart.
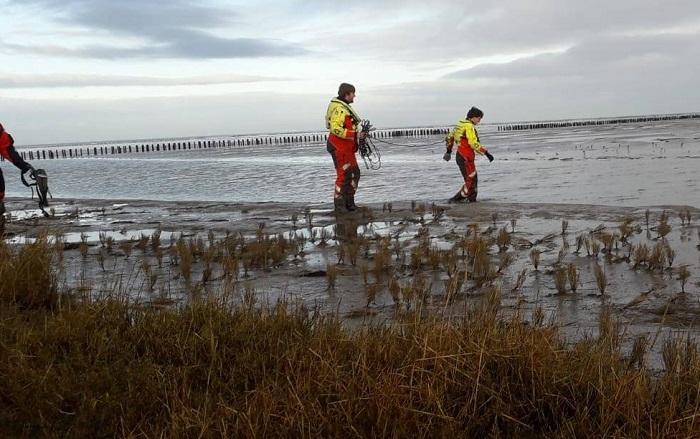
(1, 128)
(344, 89)
(474, 112)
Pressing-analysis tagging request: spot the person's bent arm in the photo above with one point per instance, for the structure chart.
(8, 151)
(474, 140)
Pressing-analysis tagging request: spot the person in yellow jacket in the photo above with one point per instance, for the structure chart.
(342, 122)
(468, 140)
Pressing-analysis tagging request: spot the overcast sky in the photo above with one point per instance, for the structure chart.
(78, 70)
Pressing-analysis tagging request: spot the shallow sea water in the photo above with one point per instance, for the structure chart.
(623, 165)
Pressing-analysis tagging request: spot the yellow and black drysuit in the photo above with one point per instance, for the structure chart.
(465, 133)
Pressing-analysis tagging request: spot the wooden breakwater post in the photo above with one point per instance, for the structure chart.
(95, 151)
(594, 122)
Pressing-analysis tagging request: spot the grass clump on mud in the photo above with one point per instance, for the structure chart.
(222, 367)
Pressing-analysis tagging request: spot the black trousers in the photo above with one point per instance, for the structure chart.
(2, 187)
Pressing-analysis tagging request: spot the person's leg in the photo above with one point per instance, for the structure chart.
(338, 172)
(473, 190)
(2, 194)
(470, 182)
(343, 178)
(461, 194)
(354, 182)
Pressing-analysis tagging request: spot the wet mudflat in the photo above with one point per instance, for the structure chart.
(568, 262)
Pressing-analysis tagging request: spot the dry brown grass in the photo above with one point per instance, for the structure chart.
(663, 228)
(331, 275)
(522, 276)
(573, 276)
(27, 279)
(110, 368)
(503, 240)
(601, 278)
(560, 276)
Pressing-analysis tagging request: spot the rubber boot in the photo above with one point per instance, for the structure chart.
(2, 208)
(457, 198)
(350, 203)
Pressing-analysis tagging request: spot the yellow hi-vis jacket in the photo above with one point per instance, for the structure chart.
(465, 133)
(341, 119)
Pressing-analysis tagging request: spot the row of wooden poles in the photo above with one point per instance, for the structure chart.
(96, 151)
(581, 123)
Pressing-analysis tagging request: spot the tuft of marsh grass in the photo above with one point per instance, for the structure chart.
(683, 275)
(657, 257)
(520, 280)
(371, 291)
(560, 276)
(572, 274)
(142, 243)
(101, 259)
(601, 278)
(626, 229)
(27, 279)
(83, 246)
(437, 211)
(504, 261)
(126, 247)
(535, 258)
(595, 248)
(670, 254)
(663, 228)
(503, 240)
(647, 214)
(640, 255)
(331, 275)
(155, 241)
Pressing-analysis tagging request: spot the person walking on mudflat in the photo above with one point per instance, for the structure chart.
(9, 153)
(465, 133)
(342, 122)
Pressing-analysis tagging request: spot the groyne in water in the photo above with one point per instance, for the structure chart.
(121, 148)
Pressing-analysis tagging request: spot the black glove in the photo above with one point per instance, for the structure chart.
(447, 156)
(489, 156)
(29, 170)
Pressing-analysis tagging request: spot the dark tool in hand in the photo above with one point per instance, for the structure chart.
(38, 179)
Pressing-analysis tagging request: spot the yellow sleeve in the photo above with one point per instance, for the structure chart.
(456, 133)
(337, 123)
(474, 140)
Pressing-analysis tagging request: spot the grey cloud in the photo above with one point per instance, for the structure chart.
(453, 31)
(597, 57)
(55, 81)
(164, 29)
